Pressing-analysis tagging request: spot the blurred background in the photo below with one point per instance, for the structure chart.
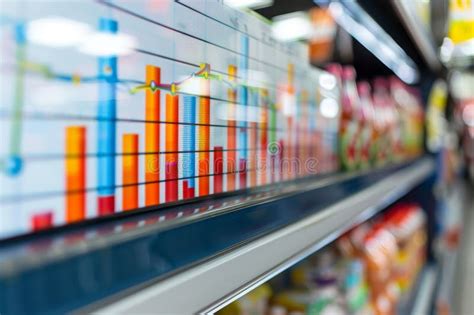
(428, 44)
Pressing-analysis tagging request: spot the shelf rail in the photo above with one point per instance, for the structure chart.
(212, 285)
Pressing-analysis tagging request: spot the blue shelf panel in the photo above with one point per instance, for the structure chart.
(65, 270)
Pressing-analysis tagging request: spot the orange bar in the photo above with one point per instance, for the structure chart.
(152, 138)
(291, 78)
(203, 138)
(130, 171)
(75, 173)
(231, 132)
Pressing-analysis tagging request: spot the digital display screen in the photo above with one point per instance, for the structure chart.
(113, 106)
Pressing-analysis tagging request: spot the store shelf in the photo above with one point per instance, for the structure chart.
(422, 38)
(421, 296)
(208, 252)
(212, 285)
(451, 256)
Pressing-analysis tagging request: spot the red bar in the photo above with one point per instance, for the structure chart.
(188, 192)
(243, 173)
(42, 221)
(171, 190)
(106, 205)
(172, 147)
(191, 192)
(281, 156)
(218, 169)
(185, 189)
(231, 132)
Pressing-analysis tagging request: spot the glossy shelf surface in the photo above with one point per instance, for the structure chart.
(134, 263)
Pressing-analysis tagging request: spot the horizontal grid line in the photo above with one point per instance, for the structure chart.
(41, 157)
(186, 34)
(53, 194)
(215, 20)
(58, 116)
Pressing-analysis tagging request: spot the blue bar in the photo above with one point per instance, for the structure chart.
(243, 99)
(20, 33)
(189, 138)
(107, 111)
(254, 98)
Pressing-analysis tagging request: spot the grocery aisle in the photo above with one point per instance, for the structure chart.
(306, 152)
(464, 286)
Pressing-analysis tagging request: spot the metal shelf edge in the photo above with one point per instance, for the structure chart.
(420, 36)
(214, 284)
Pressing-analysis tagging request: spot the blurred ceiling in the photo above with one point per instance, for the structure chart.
(383, 12)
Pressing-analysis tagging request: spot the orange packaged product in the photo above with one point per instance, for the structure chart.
(380, 252)
(407, 224)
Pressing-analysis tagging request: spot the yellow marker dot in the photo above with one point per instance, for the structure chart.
(107, 69)
(76, 79)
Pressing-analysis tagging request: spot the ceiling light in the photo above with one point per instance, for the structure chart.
(253, 4)
(292, 26)
(56, 32)
(108, 44)
(352, 18)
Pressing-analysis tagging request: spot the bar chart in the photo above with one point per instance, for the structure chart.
(167, 111)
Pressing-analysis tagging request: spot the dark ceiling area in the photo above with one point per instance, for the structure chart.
(280, 7)
(366, 64)
(384, 14)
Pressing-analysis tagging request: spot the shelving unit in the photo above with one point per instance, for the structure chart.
(138, 263)
(218, 282)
